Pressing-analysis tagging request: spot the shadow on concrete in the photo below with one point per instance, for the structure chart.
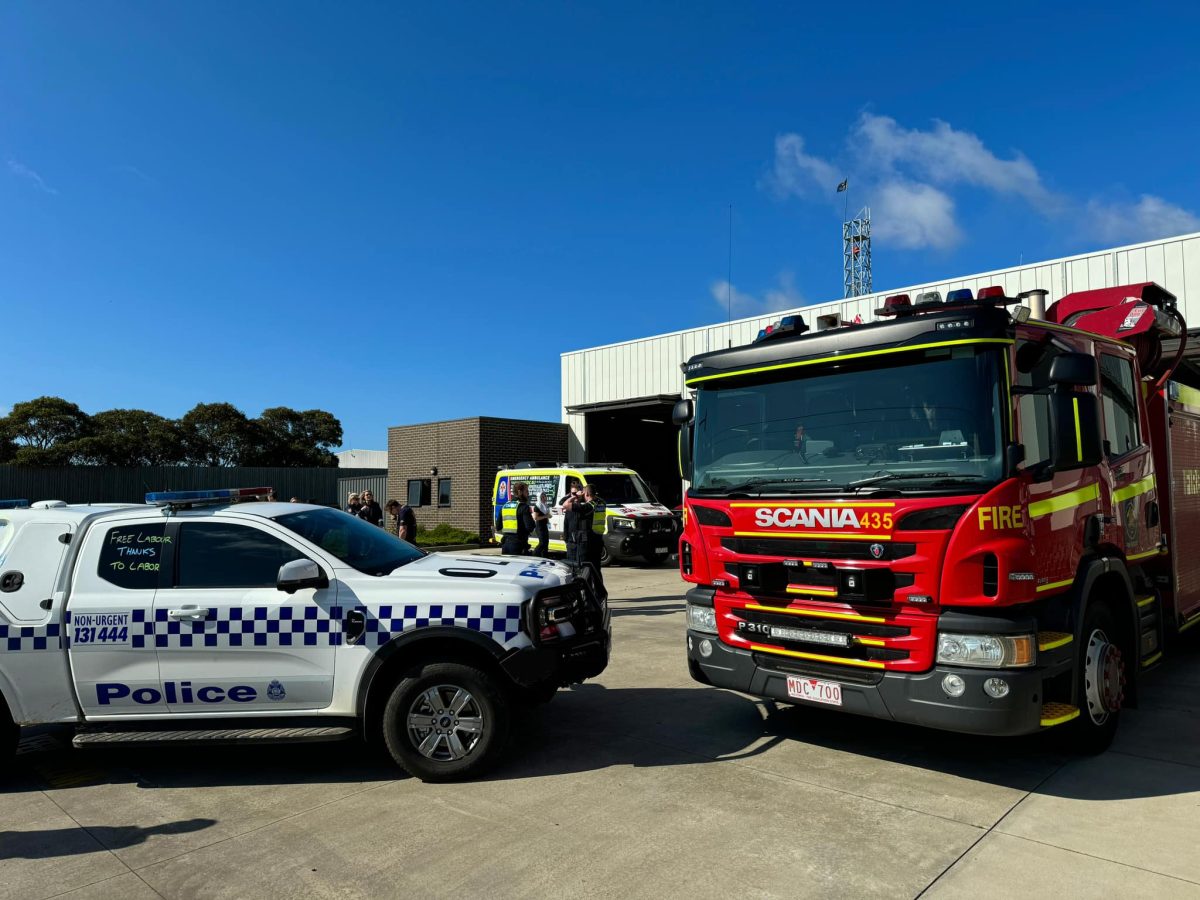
(54, 842)
(649, 606)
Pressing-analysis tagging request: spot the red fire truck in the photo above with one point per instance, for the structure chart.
(972, 515)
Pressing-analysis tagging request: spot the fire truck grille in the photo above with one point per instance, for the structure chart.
(815, 635)
(816, 549)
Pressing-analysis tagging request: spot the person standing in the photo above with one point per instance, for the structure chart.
(595, 533)
(541, 525)
(406, 521)
(370, 511)
(517, 514)
(352, 504)
(577, 524)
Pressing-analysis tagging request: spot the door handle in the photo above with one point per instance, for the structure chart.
(188, 614)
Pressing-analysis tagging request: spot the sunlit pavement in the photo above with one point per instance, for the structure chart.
(641, 783)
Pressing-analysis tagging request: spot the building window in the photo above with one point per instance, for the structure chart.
(418, 492)
(443, 492)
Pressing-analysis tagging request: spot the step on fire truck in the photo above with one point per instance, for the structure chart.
(961, 516)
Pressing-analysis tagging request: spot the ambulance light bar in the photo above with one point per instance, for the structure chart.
(221, 495)
(788, 325)
(14, 504)
(895, 305)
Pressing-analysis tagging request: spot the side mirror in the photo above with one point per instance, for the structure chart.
(1075, 420)
(685, 452)
(683, 412)
(299, 574)
(1073, 370)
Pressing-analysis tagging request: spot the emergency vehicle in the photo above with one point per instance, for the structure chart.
(635, 525)
(960, 517)
(200, 618)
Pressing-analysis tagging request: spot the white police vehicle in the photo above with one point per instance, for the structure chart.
(198, 617)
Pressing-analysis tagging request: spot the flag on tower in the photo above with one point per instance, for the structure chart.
(845, 184)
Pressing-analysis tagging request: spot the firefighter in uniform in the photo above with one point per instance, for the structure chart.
(516, 521)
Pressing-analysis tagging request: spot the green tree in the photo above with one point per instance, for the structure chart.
(217, 434)
(132, 437)
(289, 437)
(45, 431)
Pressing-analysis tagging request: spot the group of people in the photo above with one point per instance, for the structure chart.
(367, 508)
(581, 506)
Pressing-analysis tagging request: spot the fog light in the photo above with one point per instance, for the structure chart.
(953, 685)
(706, 648)
(996, 688)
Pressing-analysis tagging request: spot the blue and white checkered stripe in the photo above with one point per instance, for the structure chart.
(501, 622)
(16, 638)
(236, 626)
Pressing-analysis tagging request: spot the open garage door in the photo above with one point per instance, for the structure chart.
(638, 433)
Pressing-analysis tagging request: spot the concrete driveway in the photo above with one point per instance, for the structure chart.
(641, 783)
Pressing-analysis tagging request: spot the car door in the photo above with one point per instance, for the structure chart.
(109, 623)
(229, 641)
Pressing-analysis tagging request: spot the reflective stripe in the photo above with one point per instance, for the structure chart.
(811, 504)
(1056, 714)
(1152, 660)
(871, 642)
(815, 534)
(1068, 500)
(849, 617)
(1055, 584)
(845, 356)
(1052, 640)
(1157, 551)
(1144, 602)
(816, 592)
(1190, 622)
(1186, 395)
(1135, 489)
(819, 657)
(1079, 439)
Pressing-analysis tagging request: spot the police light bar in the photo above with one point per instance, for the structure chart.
(962, 295)
(788, 325)
(14, 504)
(221, 495)
(895, 305)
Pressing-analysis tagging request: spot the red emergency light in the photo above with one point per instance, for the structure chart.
(894, 305)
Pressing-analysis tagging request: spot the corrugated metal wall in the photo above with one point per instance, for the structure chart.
(650, 366)
(109, 484)
(376, 484)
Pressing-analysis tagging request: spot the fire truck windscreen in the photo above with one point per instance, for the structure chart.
(906, 418)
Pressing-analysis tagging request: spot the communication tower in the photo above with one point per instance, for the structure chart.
(856, 254)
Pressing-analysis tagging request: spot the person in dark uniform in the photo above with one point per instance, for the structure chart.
(541, 524)
(370, 511)
(595, 537)
(516, 543)
(576, 524)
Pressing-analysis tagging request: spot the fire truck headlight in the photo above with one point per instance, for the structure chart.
(702, 618)
(993, 651)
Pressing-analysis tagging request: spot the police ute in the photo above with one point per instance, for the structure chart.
(213, 616)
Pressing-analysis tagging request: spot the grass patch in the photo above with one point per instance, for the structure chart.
(444, 534)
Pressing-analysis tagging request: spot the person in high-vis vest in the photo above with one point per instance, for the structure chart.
(516, 521)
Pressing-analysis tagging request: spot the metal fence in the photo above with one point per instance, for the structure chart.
(376, 484)
(110, 484)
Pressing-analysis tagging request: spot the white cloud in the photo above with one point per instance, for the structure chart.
(23, 171)
(911, 215)
(908, 175)
(782, 296)
(798, 173)
(1151, 217)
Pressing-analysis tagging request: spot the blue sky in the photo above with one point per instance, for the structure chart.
(406, 212)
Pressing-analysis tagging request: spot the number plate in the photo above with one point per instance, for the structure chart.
(827, 692)
(662, 549)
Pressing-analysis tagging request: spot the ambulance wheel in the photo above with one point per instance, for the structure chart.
(446, 722)
(606, 558)
(1101, 683)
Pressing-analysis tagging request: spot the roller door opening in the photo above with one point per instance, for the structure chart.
(640, 435)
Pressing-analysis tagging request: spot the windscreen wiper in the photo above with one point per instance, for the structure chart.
(758, 482)
(946, 477)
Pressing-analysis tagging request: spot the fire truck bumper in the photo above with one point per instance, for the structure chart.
(914, 698)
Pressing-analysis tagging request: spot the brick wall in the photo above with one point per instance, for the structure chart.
(467, 451)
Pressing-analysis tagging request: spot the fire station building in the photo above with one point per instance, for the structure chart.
(617, 398)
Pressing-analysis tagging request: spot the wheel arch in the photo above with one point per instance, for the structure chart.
(439, 643)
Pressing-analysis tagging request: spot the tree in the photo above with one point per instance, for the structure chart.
(289, 437)
(45, 431)
(217, 434)
(132, 437)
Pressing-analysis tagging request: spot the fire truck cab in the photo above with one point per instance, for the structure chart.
(964, 516)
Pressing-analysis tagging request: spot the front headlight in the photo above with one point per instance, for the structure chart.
(702, 618)
(992, 651)
(621, 523)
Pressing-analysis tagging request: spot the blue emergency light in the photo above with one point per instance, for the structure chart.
(14, 504)
(962, 295)
(219, 495)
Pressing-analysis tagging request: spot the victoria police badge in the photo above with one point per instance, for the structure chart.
(275, 691)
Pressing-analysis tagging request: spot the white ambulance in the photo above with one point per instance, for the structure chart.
(203, 617)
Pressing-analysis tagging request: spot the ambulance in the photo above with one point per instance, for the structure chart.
(207, 616)
(636, 526)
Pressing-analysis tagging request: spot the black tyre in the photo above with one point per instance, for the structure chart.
(606, 558)
(1102, 662)
(446, 722)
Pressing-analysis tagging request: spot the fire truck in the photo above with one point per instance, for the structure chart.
(970, 515)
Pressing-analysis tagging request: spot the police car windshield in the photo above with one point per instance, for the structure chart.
(359, 544)
(920, 418)
(622, 488)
